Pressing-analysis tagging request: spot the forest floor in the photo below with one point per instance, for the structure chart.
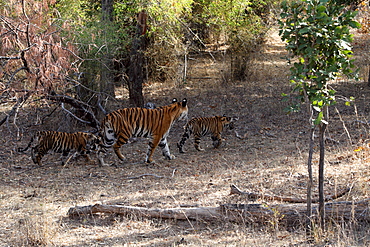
(266, 153)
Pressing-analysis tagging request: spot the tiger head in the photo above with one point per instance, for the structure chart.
(180, 109)
(107, 134)
(228, 122)
(92, 142)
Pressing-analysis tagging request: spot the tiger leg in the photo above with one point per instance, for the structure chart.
(87, 157)
(165, 149)
(85, 153)
(181, 143)
(197, 142)
(216, 141)
(116, 147)
(117, 151)
(65, 158)
(151, 147)
(99, 156)
(36, 155)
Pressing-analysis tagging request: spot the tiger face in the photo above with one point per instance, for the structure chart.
(108, 135)
(119, 126)
(92, 142)
(228, 122)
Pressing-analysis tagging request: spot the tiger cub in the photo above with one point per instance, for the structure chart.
(61, 142)
(202, 126)
(119, 126)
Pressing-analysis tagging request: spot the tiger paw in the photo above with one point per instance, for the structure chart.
(171, 157)
(106, 164)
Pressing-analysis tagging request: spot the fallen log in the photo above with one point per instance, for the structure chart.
(254, 196)
(292, 215)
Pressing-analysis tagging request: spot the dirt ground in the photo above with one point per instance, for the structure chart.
(267, 153)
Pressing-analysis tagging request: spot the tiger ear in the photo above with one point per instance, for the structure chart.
(174, 100)
(184, 102)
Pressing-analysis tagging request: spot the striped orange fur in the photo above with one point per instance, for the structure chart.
(202, 126)
(117, 127)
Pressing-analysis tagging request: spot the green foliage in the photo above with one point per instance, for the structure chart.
(317, 33)
(168, 22)
(238, 21)
(95, 38)
(240, 24)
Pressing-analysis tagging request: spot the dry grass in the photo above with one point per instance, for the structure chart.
(271, 159)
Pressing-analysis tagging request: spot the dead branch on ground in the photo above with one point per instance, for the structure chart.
(254, 196)
(285, 214)
(145, 175)
(291, 214)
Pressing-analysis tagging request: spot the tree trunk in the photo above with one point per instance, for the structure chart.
(136, 68)
(368, 78)
(106, 74)
(322, 127)
(310, 183)
(136, 78)
(107, 10)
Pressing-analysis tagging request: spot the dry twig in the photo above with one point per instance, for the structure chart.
(145, 175)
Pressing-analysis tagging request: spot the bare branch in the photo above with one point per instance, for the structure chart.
(19, 103)
(64, 48)
(70, 113)
(145, 175)
(101, 107)
(78, 105)
(27, 25)
(9, 58)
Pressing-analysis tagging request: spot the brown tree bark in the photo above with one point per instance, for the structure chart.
(136, 78)
(136, 68)
(322, 128)
(106, 80)
(309, 183)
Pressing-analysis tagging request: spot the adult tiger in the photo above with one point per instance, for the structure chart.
(202, 126)
(117, 127)
(61, 142)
